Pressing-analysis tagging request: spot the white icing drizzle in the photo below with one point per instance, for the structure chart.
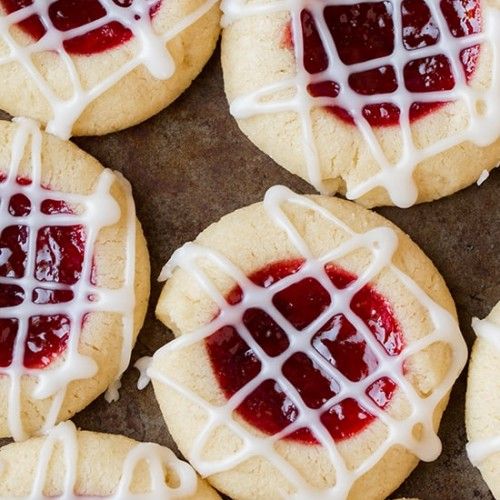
(151, 52)
(397, 178)
(479, 451)
(487, 330)
(99, 209)
(157, 458)
(143, 364)
(382, 242)
(484, 175)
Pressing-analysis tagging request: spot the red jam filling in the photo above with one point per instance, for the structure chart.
(268, 408)
(58, 259)
(70, 14)
(365, 31)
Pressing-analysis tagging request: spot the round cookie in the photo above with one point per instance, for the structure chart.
(316, 88)
(316, 349)
(102, 65)
(482, 405)
(74, 279)
(73, 463)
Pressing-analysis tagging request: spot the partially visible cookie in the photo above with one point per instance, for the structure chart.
(316, 349)
(482, 405)
(102, 65)
(74, 279)
(70, 463)
(390, 103)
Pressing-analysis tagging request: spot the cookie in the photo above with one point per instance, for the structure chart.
(71, 463)
(387, 102)
(482, 405)
(74, 279)
(316, 349)
(90, 67)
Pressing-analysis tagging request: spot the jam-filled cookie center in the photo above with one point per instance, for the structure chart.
(57, 262)
(269, 408)
(362, 33)
(66, 15)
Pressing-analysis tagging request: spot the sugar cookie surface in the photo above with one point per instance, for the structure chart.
(71, 464)
(101, 65)
(333, 96)
(74, 279)
(294, 320)
(482, 406)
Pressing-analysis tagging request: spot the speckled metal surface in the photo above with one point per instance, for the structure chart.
(190, 165)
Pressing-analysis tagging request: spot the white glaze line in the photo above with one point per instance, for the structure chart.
(479, 451)
(487, 330)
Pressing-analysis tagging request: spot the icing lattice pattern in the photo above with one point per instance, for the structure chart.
(157, 458)
(98, 210)
(151, 52)
(381, 242)
(482, 104)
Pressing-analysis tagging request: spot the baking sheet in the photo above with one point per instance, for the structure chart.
(190, 165)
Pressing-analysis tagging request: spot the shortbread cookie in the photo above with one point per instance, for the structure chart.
(388, 102)
(313, 338)
(69, 463)
(482, 406)
(74, 279)
(89, 67)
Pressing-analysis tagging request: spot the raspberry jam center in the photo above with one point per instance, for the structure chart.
(58, 260)
(68, 15)
(365, 31)
(268, 408)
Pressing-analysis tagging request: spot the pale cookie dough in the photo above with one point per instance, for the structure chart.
(109, 292)
(482, 405)
(114, 89)
(236, 457)
(440, 153)
(72, 464)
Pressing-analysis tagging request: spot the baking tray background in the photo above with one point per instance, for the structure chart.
(190, 165)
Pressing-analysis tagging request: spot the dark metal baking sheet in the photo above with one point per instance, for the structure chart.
(190, 165)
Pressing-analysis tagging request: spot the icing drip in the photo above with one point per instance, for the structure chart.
(482, 104)
(382, 242)
(479, 451)
(143, 364)
(151, 52)
(99, 209)
(482, 178)
(487, 330)
(155, 456)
